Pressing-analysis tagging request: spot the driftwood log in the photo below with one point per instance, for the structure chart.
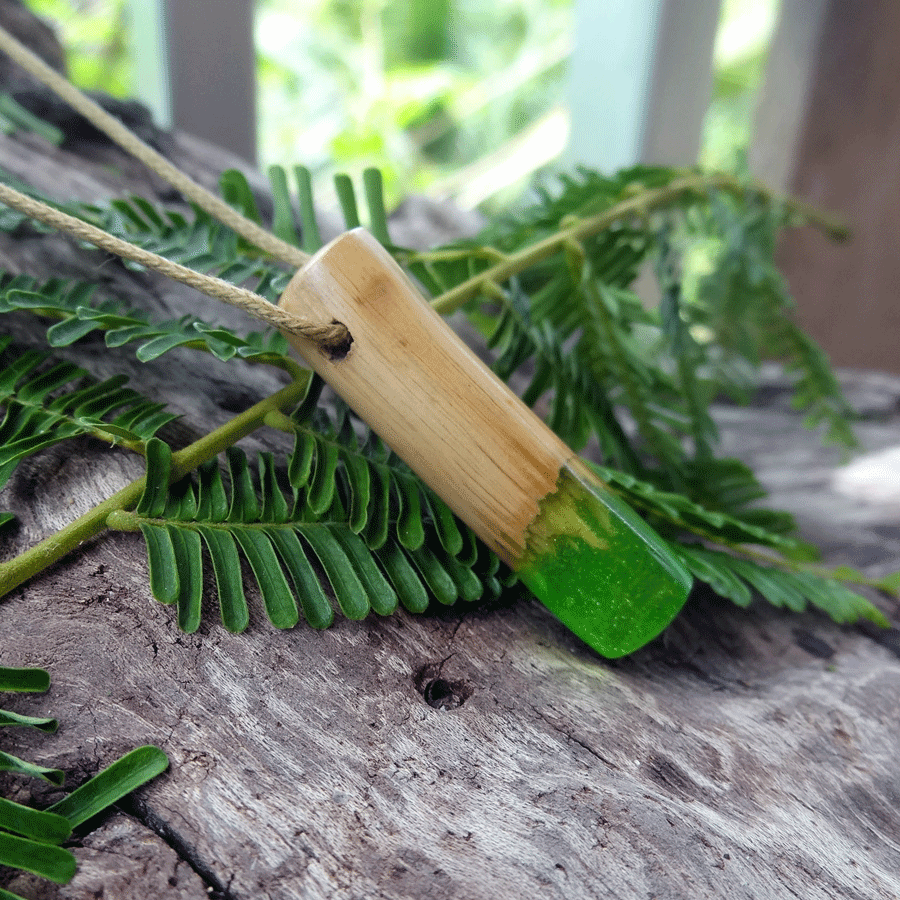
(474, 753)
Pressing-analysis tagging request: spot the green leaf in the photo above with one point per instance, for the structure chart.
(312, 240)
(48, 402)
(890, 584)
(778, 587)
(838, 601)
(30, 680)
(678, 512)
(283, 216)
(20, 117)
(10, 763)
(410, 529)
(382, 597)
(715, 570)
(71, 303)
(236, 191)
(468, 584)
(227, 567)
(45, 860)
(8, 895)
(165, 579)
(213, 504)
(109, 786)
(373, 183)
(378, 519)
(406, 582)
(347, 197)
(472, 549)
(301, 462)
(156, 347)
(320, 492)
(277, 596)
(316, 608)
(42, 724)
(734, 577)
(440, 583)
(159, 460)
(45, 827)
(445, 524)
(186, 547)
(275, 507)
(244, 503)
(359, 487)
(348, 589)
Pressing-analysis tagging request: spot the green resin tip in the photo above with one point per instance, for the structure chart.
(599, 567)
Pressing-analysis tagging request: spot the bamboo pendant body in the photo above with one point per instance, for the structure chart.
(584, 553)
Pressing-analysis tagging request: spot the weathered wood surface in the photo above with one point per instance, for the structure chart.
(475, 753)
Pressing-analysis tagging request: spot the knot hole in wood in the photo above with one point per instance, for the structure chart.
(439, 692)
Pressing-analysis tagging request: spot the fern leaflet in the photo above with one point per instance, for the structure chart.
(736, 579)
(70, 303)
(48, 402)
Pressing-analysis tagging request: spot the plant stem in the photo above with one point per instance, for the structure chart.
(52, 549)
(640, 204)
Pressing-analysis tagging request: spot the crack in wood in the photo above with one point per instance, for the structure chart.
(183, 849)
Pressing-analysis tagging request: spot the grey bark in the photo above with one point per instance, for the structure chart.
(479, 752)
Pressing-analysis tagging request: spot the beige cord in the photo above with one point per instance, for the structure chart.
(333, 338)
(132, 144)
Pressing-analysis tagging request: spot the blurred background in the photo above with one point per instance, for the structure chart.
(466, 101)
(461, 98)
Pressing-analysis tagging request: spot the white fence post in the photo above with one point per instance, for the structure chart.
(640, 80)
(149, 54)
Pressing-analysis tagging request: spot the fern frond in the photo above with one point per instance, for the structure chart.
(581, 193)
(737, 579)
(204, 244)
(578, 406)
(729, 486)
(723, 305)
(347, 518)
(743, 304)
(675, 514)
(782, 580)
(623, 362)
(300, 541)
(69, 302)
(30, 839)
(15, 117)
(47, 402)
(816, 389)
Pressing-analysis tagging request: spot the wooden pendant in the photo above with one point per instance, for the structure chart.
(583, 552)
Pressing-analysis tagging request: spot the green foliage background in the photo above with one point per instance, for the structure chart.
(418, 88)
(95, 36)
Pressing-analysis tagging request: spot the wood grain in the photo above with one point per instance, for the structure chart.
(479, 752)
(415, 383)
